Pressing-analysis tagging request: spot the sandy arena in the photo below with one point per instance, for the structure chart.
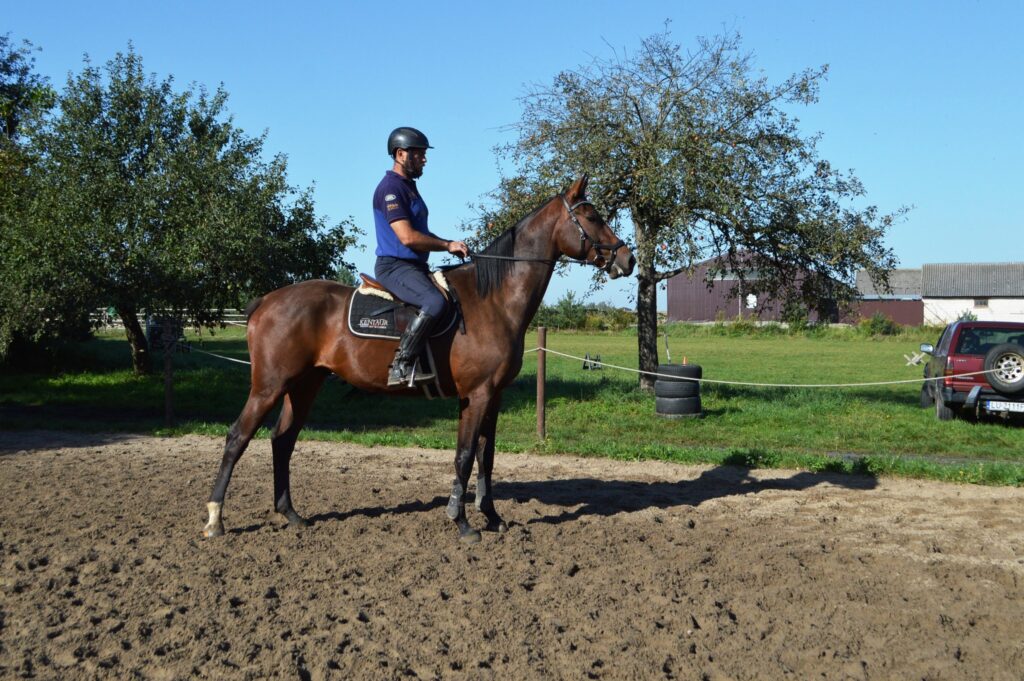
(610, 570)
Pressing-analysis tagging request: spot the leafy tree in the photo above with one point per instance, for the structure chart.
(567, 313)
(698, 152)
(345, 274)
(22, 92)
(24, 97)
(150, 199)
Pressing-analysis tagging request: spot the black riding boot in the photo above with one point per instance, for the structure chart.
(409, 349)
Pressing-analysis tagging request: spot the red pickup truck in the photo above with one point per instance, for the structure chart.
(966, 347)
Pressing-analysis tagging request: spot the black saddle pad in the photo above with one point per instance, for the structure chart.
(372, 316)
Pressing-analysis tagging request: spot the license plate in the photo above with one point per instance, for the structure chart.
(992, 405)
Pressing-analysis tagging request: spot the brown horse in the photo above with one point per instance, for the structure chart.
(298, 335)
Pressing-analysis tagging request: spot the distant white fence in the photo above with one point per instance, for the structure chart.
(107, 318)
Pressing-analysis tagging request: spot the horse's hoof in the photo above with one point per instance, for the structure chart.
(214, 521)
(500, 527)
(470, 536)
(295, 520)
(213, 531)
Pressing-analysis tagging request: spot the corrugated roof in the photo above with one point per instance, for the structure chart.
(904, 284)
(973, 280)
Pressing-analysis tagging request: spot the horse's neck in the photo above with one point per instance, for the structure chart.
(525, 292)
(523, 288)
(520, 293)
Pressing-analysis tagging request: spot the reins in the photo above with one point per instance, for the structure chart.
(475, 254)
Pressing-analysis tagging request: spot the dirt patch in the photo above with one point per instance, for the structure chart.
(610, 570)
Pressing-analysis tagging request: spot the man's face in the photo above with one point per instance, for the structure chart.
(412, 161)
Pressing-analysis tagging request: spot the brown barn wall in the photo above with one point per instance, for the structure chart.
(906, 312)
(690, 300)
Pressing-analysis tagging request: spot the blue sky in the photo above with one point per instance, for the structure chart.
(922, 101)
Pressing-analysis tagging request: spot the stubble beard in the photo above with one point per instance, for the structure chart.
(411, 171)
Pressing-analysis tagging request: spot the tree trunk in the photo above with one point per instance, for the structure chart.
(647, 326)
(136, 340)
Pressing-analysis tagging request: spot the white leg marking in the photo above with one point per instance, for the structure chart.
(214, 525)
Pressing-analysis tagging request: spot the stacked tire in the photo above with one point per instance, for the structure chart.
(677, 391)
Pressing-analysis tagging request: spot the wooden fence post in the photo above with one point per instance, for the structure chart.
(167, 332)
(542, 342)
(168, 384)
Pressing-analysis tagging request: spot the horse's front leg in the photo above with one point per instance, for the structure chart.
(484, 466)
(472, 411)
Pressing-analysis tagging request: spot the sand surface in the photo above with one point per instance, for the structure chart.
(610, 570)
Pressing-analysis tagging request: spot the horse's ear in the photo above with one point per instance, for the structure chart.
(578, 190)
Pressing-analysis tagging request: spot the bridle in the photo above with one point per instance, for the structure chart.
(599, 260)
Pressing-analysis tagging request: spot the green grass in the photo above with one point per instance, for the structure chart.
(876, 430)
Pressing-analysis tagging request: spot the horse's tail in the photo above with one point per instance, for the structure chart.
(251, 307)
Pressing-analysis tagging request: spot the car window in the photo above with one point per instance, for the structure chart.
(980, 341)
(968, 343)
(943, 346)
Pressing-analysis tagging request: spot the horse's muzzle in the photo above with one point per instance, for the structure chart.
(620, 266)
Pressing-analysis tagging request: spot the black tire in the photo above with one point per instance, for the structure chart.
(676, 388)
(942, 412)
(680, 370)
(926, 396)
(1005, 363)
(677, 406)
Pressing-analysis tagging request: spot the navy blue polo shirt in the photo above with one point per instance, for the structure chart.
(396, 198)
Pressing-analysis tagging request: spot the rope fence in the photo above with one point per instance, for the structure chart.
(750, 383)
(543, 350)
(188, 347)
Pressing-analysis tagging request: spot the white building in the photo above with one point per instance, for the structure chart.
(989, 291)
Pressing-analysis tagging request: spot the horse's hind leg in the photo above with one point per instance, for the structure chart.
(484, 467)
(256, 409)
(297, 403)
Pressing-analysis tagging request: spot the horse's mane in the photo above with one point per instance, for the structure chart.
(491, 272)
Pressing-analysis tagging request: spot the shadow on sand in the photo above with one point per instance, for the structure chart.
(587, 496)
(580, 497)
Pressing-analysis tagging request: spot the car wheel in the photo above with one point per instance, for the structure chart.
(926, 396)
(1005, 364)
(942, 412)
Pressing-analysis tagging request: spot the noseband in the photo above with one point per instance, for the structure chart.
(599, 260)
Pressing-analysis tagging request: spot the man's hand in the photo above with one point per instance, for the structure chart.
(458, 248)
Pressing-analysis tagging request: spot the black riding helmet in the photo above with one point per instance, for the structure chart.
(406, 138)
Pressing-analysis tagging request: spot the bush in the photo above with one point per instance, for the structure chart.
(595, 322)
(796, 316)
(967, 316)
(569, 313)
(879, 325)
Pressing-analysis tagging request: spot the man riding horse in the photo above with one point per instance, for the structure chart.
(298, 335)
(404, 243)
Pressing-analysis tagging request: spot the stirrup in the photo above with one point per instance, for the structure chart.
(416, 376)
(398, 378)
(409, 378)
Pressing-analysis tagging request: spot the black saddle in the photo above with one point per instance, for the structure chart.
(375, 312)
